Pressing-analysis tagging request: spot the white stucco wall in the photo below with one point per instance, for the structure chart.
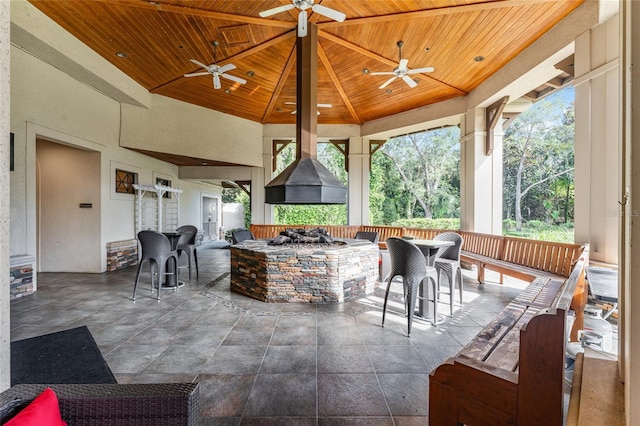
(177, 127)
(48, 103)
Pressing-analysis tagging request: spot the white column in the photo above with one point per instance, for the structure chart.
(358, 196)
(5, 337)
(629, 271)
(597, 118)
(261, 212)
(480, 176)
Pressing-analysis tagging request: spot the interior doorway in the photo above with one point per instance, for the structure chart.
(210, 208)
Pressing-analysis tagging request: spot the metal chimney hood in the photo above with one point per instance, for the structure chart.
(306, 181)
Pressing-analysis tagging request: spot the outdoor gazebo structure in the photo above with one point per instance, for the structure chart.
(63, 91)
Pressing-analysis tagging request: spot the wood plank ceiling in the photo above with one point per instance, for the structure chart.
(158, 39)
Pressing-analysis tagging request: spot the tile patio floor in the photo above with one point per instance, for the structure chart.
(257, 363)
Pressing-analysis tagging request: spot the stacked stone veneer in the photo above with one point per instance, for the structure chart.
(122, 254)
(21, 277)
(305, 273)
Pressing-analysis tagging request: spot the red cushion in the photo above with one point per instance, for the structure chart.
(42, 411)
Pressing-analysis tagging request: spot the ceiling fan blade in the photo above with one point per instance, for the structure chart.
(234, 78)
(294, 111)
(216, 81)
(388, 82)
(200, 64)
(420, 70)
(196, 74)
(403, 64)
(381, 73)
(226, 68)
(329, 13)
(276, 10)
(409, 81)
(325, 106)
(302, 23)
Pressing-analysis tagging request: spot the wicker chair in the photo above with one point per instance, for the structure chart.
(187, 244)
(366, 235)
(156, 249)
(408, 262)
(162, 404)
(448, 262)
(240, 235)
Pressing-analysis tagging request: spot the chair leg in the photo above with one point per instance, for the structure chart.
(175, 273)
(161, 267)
(386, 297)
(459, 276)
(189, 259)
(412, 295)
(195, 258)
(436, 296)
(188, 253)
(135, 284)
(452, 286)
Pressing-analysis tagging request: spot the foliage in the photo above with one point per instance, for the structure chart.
(415, 179)
(541, 231)
(333, 160)
(443, 223)
(416, 175)
(236, 195)
(538, 163)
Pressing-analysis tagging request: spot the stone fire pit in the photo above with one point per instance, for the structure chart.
(304, 273)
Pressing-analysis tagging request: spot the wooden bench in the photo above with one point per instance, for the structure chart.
(521, 258)
(512, 372)
(518, 257)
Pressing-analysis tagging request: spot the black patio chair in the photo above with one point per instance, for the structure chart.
(188, 245)
(156, 249)
(408, 261)
(240, 235)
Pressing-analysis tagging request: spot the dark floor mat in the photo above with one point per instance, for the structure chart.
(69, 356)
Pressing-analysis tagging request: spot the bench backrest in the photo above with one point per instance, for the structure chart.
(514, 368)
(555, 258)
(483, 244)
(551, 257)
(420, 233)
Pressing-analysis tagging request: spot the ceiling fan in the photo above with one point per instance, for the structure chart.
(401, 71)
(215, 70)
(303, 5)
(319, 106)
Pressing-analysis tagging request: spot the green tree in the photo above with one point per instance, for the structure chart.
(335, 214)
(538, 154)
(416, 175)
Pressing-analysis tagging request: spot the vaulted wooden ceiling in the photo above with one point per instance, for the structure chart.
(158, 39)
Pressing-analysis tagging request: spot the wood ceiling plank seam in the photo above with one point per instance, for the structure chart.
(154, 62)
(193, 46)
(185, 10)
(263, 45)
(508, 52)
(356, 48)
(107, 47)
(77, 27)
(289, 65)
(426, 13)
(458, 44)
(180, 33)
(336, 82)
(143, 46)
(438, 43)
